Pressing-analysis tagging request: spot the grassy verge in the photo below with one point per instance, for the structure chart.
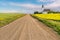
(53, 24)
(8, 17)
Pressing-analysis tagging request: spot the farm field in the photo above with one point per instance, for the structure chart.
(8, 17)
(29, 19)
(51, 20)
(27, 28)
(49, 16)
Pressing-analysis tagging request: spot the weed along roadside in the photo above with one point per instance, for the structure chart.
(55, 25)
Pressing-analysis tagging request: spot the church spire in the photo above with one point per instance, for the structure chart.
(42, 6)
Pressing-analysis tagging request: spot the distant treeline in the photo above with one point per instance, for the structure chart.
(54, 12)
(36, 12)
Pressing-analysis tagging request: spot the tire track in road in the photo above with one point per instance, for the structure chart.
(27, 28)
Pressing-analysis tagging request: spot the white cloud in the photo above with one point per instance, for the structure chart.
(54, 4)
(45, 0)
(34, 7)
(30, 8)
(9, 11)
(25, 5)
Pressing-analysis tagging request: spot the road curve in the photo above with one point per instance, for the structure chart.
(27, 28)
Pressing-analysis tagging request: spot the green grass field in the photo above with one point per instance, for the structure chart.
(51, 20)
(8, 17)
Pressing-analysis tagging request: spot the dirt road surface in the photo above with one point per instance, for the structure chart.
(27, 28)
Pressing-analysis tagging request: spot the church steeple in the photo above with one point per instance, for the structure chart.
(42, 6)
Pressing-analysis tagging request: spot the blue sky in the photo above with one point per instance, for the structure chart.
(28, 6)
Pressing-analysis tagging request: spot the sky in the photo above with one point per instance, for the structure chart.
(28, 6)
